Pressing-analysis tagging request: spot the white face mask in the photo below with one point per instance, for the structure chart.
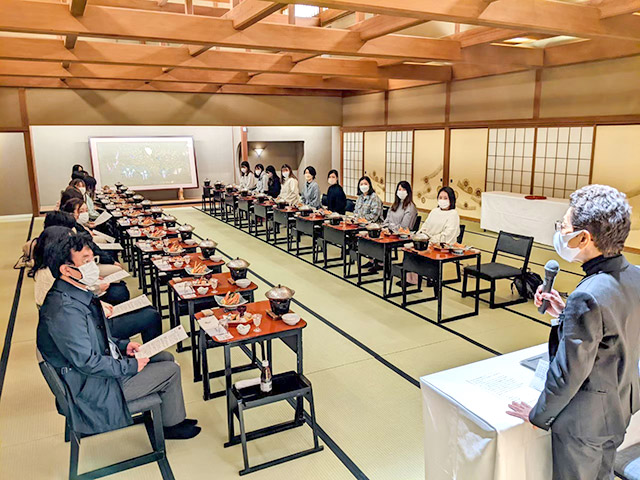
(308, 177)
(258, 173)
(402, 194)
(83, 218)
(285, 174)
(443, 204)
(90, 273)
(561, 244)
(243, 170)
(364, 188)
(82, 190)
(332, 181)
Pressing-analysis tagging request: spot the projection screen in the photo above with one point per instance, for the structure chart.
(144, 163)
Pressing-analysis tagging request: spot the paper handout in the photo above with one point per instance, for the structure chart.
(115, 277)
(164, 341)
(110, 246)
(102, 218)
(130, 306)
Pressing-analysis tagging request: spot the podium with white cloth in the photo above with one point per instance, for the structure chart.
(513, 213)
(469, 435)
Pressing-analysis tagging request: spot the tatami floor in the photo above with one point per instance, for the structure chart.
(363, 355)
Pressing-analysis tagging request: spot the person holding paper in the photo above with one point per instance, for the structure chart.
(145, 321)
(592, 385)
(100, 373)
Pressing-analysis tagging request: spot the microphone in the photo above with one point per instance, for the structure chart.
(550, 271)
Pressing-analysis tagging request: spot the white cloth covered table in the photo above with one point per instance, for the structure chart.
(513, 213)
(468, 435)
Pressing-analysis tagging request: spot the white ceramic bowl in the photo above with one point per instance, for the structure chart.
(243, 328)
(215, 258)
(291, 318)
(243, 282)
(203, 290)
(191, 241)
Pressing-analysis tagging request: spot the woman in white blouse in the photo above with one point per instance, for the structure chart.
(443, 223)
(247, 179)
(290, 191)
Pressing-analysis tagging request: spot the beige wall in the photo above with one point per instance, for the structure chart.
(428, 159)
(375, 144)
(616, 162)
(9, 108)
(104, 107)
(15, 197)
(417, 105)
(600, 88)
(363, 110)
(467, 170)
(499, 97)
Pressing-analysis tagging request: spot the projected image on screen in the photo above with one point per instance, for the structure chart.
(144, 163)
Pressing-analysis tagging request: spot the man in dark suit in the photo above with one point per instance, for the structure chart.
(592, 387)
(100, 374)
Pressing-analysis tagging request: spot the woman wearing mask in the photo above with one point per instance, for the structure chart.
(290, 192)
(403, 212)
(368, 204)
(311, 190)
(273, 182)
(247, 178)
(261, 179)
(443, 223)
(78, 208)
(89, 195)
(336, 198)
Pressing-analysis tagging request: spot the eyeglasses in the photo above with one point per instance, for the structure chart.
(560, 226)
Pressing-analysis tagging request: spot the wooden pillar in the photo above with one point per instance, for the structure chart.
(28, 149)
(537, 94)
(291, 12)
(447, 137)
(245, 145)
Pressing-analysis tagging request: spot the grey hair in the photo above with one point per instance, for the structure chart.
(605, 213)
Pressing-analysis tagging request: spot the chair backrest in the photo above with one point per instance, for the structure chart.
(461, 236)
(324, 200)
(417, 223)
(55, 384)
(514, 244)
(385, 211)
(351, 205)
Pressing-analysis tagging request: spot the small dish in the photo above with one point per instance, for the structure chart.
(178, 264)
(190, 271)
(203, 290)
(190, 241)
(215, 258)
(291, 318)
(243, 328)
(243, 282)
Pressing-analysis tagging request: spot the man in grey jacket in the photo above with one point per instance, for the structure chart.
(592, 385)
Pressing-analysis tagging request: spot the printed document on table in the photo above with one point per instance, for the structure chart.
(540, 377)
(115, 277)
(110, 246)
(506, 388)
(103, 217)
(132, 305)
(164, 341)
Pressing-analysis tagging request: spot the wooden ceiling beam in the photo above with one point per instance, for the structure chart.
(482, 35)
(543, 16)
(503, 55)
(36, 17)
(184, 75)
(613, 8)
(250, 12)
(129, 85)
(331, 15)
(77, 7)
(380, 25)
(416, 72)
(588, 51)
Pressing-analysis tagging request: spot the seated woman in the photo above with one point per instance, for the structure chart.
(247, 179)
(273, 182)
(368, 204)
(336, 198)
(261, 179)
(117, 292)
(145, 321)
(443, 223)
(290, 192)
(77, 171)
(311, 191)
(403, 212)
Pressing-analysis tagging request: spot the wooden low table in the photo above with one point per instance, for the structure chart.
(283, 216)
(263, 211)
(270, 329)
(378, 249)
(225, 285)
(429, 263)
(245, 210)
(342, 235)
(310, 225)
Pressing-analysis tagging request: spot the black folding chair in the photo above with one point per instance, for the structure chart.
(351, 205)
(510, 244)
(325, 200)
(458, 267)
(149, 409)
